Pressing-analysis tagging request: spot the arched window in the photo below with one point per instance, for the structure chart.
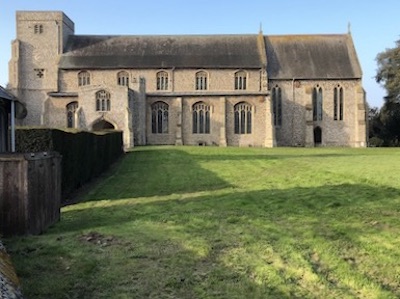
(159, 118)
(201, 80)
(277, 105)
(123, 78)
(83, 78)
(162, 80)
(240, 80)
(71, 112)
(243, 118)
(103, 102)
(338, 103)
(201, 118)
(317, 103)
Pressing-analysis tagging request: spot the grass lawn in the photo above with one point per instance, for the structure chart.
(208, 222)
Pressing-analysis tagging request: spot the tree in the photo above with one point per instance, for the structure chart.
(375, 127)
(388, 75)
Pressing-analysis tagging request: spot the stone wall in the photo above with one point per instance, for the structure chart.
(297, 96)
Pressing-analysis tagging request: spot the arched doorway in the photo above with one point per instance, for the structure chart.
(102, 125)
(317, 136)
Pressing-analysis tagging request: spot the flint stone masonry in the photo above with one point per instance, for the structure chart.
(295, 63)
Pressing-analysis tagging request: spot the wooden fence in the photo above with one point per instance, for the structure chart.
(30, 192)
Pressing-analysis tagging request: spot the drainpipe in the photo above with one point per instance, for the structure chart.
(12, 126)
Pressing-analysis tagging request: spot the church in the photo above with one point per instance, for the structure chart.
(222, 90)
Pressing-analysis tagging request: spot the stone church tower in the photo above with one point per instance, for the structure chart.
(33, 69)
(225, 90)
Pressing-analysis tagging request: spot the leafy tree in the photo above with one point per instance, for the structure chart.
(375, 127)
(388, 75)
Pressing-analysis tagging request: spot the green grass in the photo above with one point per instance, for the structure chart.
(207, 222)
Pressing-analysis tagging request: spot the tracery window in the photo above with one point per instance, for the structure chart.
(338, 103)
(277, 105)
(317, 99)
(243, 118)
(83, 78)
(162, 80)
(201, 80)
(159, 118)
(123, 78)
(201, 118)
(103, 102)
(240, 80)
(71, 112)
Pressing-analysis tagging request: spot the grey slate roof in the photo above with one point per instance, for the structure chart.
(4, 94)
(190, 51)
(312, 57)
(288, 56)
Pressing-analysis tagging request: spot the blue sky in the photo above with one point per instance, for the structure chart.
(375, 25)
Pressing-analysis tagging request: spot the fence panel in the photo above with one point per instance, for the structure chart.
(30, 192)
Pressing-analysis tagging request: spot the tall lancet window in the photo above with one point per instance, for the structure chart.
(317, 100)
(338, 103)
(277, 105)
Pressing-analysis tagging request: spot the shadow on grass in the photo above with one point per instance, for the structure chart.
(276, 203)
(238, 245)
(162, 171)
(149, 172)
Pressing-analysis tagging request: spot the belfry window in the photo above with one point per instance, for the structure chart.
(123, 78)
(201, 118)
(103, 102)
(162, 80)
(201, 80)
(159, 118)
(83, 78)
(338, 103)
(240, 80)
(277, 105)
(317, 99)
(38, 28)
(243, 118)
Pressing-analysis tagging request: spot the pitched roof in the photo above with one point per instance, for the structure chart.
(288, 56)
(186, 51)
(312, 57)
(4, 94)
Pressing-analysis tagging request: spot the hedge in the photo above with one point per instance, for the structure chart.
(85, 155)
